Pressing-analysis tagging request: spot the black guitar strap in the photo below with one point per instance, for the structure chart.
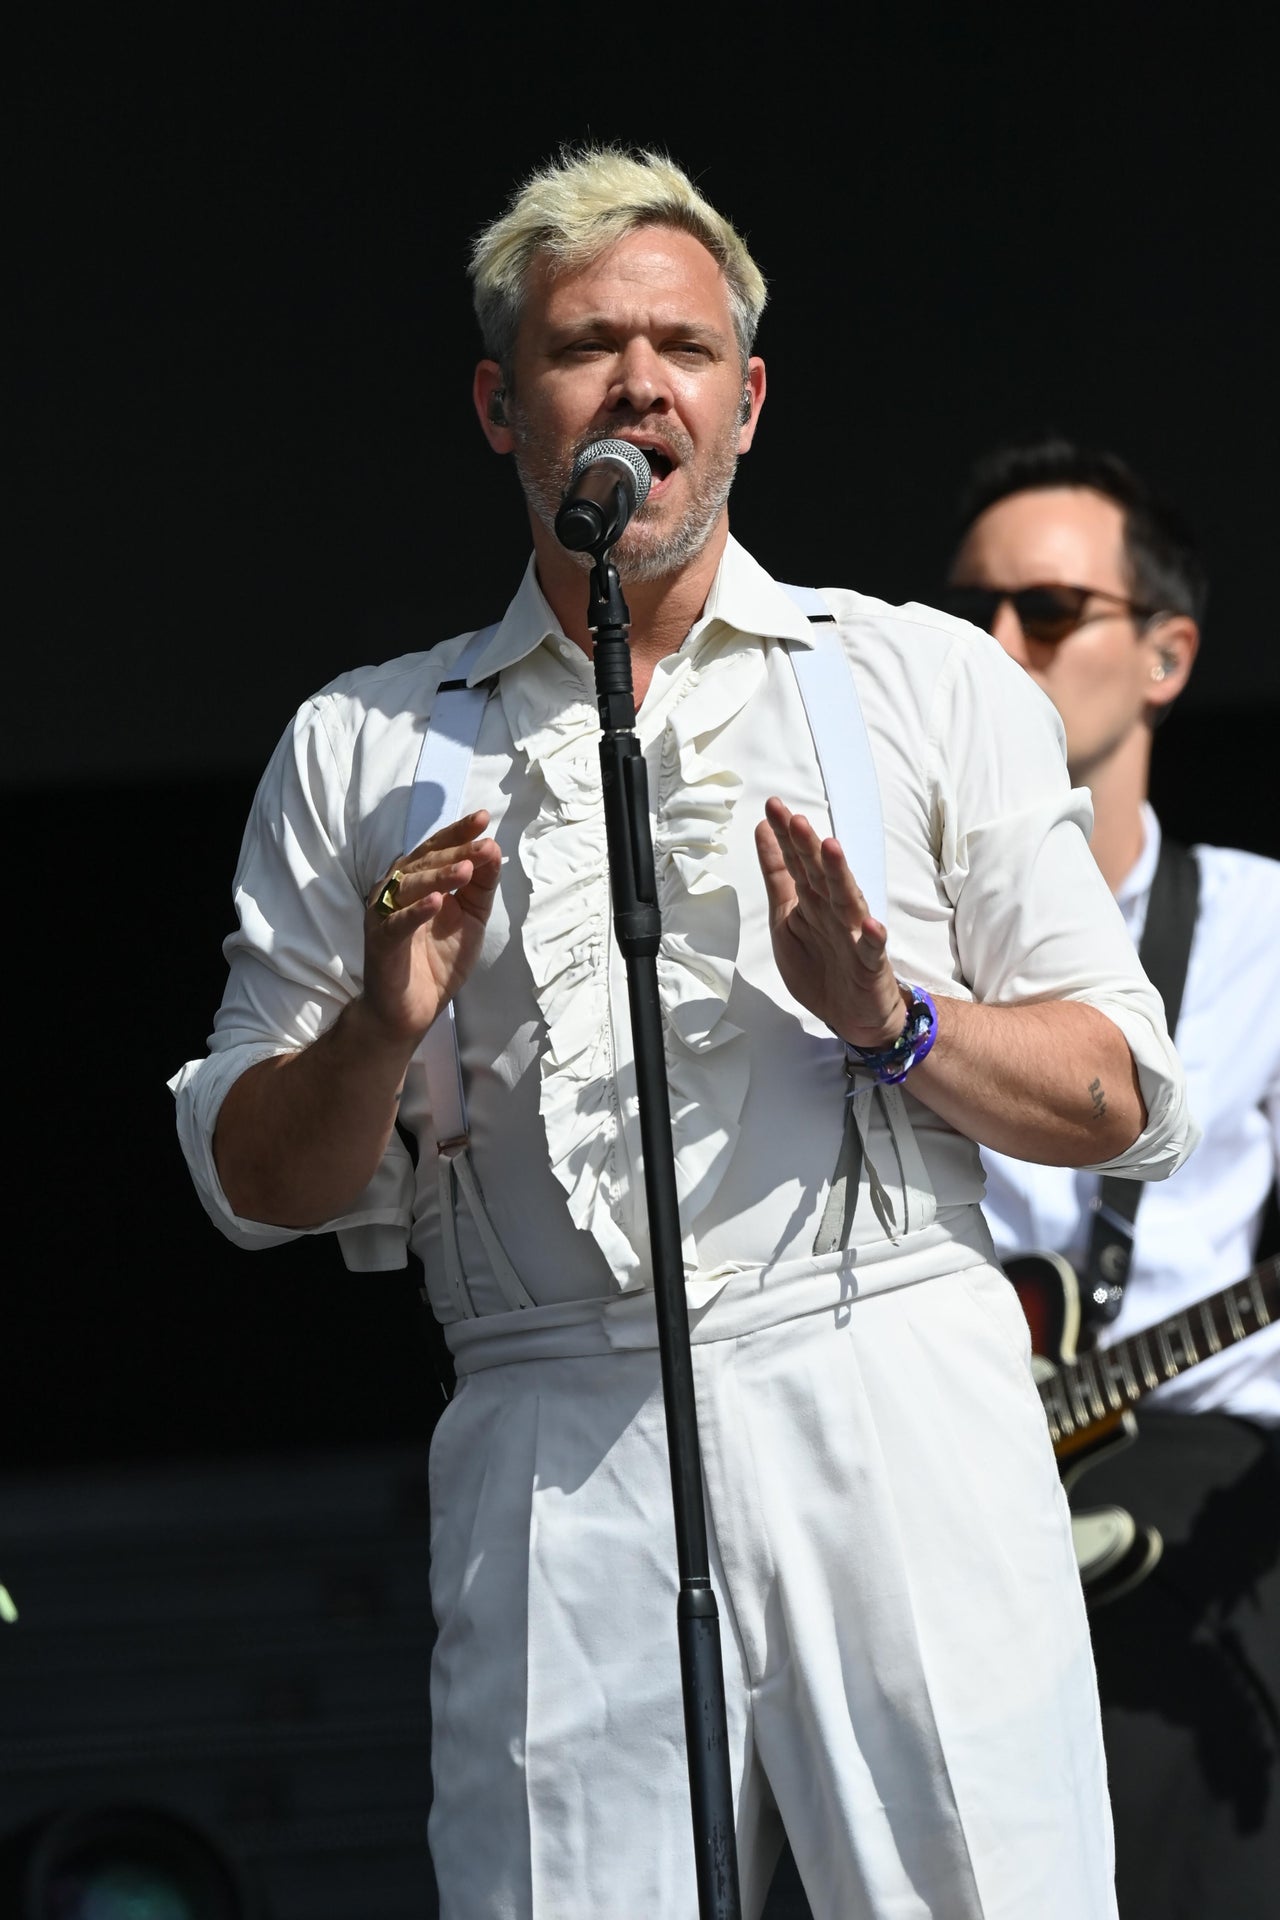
(1164, 951)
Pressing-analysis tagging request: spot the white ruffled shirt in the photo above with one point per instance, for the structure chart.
(1197, 1233)
(992, 893)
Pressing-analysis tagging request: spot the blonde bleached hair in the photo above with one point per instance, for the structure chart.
(572, 209)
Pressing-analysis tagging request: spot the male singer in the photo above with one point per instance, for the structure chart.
(910, 1685)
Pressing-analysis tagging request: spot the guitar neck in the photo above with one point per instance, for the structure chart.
(1107, 1381)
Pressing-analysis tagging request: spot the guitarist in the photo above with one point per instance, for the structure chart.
(1097, 590)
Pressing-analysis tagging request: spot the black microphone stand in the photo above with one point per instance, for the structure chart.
(638, 926)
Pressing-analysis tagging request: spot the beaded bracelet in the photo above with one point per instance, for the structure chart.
(891, 1065)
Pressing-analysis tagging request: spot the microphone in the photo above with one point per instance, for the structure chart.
(609, 482)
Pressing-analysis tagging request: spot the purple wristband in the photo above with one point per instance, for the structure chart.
(891, 1065)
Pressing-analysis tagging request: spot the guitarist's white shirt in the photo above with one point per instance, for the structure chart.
(1195, 1232)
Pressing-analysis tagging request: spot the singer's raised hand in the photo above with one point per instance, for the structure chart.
(831, 952)
(417, 955)
(300, 1135)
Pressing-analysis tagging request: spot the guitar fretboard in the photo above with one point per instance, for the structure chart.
(1104, 1383)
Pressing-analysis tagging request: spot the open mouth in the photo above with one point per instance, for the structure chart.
(661, 464)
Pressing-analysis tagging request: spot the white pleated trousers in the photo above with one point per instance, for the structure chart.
(910, 1684)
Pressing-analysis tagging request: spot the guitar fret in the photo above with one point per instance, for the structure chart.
(1086, 1394)
(1060, 1419)
(1082, 1382)
(1097, 1402)
(1054, 1400)
(1259, 1299)
(1149, 1375)
(1117, 1376)
(1079, 1406)
(1181, 1326)
(1132, 1385)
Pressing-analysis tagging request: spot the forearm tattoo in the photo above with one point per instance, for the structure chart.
(1098, 1098)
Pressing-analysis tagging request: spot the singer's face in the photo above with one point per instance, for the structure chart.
(638, 345)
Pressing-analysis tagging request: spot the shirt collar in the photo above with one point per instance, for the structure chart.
(742, 595)
(747, 598)
(1137, 882)
(1134, 892)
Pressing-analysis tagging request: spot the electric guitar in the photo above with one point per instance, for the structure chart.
(1089, 1396)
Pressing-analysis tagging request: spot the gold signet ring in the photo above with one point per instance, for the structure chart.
(386, 902)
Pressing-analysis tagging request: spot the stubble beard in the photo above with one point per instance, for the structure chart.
(642, 554)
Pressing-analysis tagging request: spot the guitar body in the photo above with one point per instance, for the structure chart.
(1049, 1295)
(1088, 1391)
(1113, 1552)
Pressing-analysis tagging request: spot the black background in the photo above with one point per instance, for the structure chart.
(246, 460)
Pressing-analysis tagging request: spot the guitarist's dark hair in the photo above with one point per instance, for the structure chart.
(1164, 563)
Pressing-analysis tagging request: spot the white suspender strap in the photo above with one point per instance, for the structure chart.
(839, 731)
(434, 800)
(447, 745)
(810, 602)
(454, 1174)
(831, 702)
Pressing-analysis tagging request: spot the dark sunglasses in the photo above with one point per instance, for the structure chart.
(1047, 613)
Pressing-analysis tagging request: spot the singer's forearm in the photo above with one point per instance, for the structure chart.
(1053, 1083)
(299, 1137)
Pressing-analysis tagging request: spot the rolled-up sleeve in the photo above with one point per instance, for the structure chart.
(294, 961)
(1034, 919)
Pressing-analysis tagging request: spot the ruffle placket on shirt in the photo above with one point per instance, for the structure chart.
(568, 933)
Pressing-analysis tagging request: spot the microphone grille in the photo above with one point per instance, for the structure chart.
(619, 451)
